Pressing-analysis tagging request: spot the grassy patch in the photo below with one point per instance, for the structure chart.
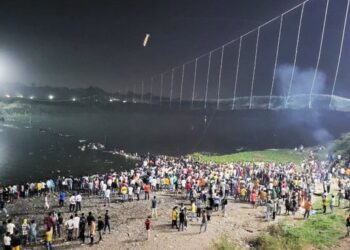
(320, 231)
(223, 243)
(271, 155)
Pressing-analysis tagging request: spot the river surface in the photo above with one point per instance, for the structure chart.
(45, 140)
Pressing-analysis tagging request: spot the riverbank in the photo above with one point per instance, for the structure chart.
(243, 226)
(241, 223)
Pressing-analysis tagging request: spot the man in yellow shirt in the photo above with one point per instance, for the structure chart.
(243, 194)
(39, 187)
(48, 238)
(174, 216)
(193, 210)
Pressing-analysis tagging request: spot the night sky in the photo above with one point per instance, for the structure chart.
(81, 43)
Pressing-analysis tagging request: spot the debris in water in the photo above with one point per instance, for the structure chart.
(145, 41)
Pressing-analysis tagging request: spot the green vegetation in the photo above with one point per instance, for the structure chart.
(342, 145)
(223, 243)
(271, 155)
(319, 231)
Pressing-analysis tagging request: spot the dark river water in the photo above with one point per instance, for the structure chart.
(31, 148)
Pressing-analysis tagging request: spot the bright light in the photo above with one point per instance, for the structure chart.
(9, 67)
(125, 101)
(7, 96)
(51, 97)
(74, 99)
(31, 98)
(111, 100)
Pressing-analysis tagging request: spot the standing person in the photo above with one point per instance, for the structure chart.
(100, 226)
(76, 221)
(332, 203)
(92, 230)
(107, 196)
(137, 191)
(199, 206)
(25, 231)
(148, 224)
(185, 218)
(59, 224)
(62, 198)
(307, 206)
(223, 206)
(46, 201)
(3, 207)
(193, 210)
(82, 225)
(10, 227)
(78, 199)
(204, 222)
(287, 206)
(130, 193)
(70, 226)
(33, 232)
(348, 225)
(253, 198)
(269, 209)
(324, 203)
(107, 223)
(174, 215)
(154, 207)
(48, 238)
(48, 221)
(90, 218)
(16, 241)
(209, 211)
(72, 203)
(2, 229)
(274, 209)
(147, 191)
(7, 241)
(181, 220)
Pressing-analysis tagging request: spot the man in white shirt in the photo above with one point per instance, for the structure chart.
(107, 196)
(7, 241)
(76, 221)
(10, 227)
(72, 203)
(70, 226)
(78, 200)
(130, 193)
(103, 188)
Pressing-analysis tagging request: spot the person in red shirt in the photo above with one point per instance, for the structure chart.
(253, 198)
(48, 221)
(147, 191)
(148, 226)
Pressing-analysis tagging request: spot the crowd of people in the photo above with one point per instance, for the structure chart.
(208, 188)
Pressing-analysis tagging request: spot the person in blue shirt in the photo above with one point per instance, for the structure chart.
(62, 197)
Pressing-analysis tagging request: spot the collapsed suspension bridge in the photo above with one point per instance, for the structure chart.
(278, 64)
(295, 60)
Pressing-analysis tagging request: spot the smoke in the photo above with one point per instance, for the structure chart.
(302, 80)
(322, 136)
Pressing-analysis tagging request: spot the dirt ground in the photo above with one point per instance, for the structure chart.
(241, 223)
